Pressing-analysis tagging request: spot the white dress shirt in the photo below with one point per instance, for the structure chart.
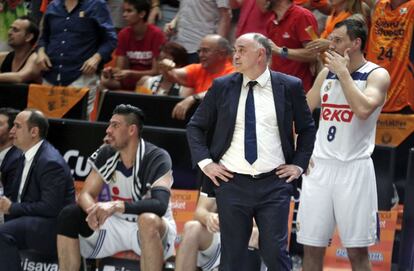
(269, 147)
(28, 155)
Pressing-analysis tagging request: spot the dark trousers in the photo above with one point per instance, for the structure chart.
(25, 233)
(267, 201)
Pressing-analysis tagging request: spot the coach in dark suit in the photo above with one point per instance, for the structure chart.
(9, 154)
(43, 186)
(241, 137)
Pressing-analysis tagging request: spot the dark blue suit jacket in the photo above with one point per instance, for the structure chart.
(48, 188)
(8, 169)
(211, 128)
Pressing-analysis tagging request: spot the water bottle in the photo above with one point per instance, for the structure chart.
(1, 195)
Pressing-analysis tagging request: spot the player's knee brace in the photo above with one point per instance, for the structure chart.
(71, 222)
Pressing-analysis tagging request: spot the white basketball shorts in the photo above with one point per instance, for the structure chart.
(342, 194)
(118, 234)
(210, 258)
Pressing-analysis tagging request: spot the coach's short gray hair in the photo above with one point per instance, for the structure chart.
(265, 43)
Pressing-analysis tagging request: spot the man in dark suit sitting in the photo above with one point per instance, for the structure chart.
(43, 186)
(241, 137)
(9, 154)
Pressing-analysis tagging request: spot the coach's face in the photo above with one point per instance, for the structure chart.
(118, 132)
(247, 54)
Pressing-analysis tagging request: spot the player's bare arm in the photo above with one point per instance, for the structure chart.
(206, 213)
(313, 97)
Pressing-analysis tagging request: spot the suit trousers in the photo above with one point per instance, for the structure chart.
(26, 232)
(267, 201)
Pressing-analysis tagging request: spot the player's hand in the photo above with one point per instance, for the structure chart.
(214, 171)
(290, 172)
(336, 63)
(213, 223)
(90, 66)
(92, 219)
(310, 166)
(99, 212)
(180, 109)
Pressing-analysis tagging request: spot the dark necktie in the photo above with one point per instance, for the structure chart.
(250, 142)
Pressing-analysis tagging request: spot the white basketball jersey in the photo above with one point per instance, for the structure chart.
(341, 134)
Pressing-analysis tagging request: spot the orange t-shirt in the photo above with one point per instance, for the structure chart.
(313, 3)
(332, 20)
(391, 45)
(199, 79)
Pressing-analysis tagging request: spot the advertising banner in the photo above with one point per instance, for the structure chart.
(336, 258)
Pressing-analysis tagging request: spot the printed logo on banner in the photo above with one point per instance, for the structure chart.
(32, 261)
(379, 255)
(78, 164)
(29, 265)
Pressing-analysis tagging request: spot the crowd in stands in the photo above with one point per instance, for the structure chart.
(77, 40)
(157, 47)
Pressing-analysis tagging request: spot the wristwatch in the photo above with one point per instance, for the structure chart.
(284, 52)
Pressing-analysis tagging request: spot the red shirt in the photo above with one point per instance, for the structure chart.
(139, 53)
(252, 19)
(290, 32)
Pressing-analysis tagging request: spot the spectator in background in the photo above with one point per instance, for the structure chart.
(287, 30)
(10, 10)
(138, 48)
(159, 84)
(163, 12)
(251, 18)
(391, 45)
(77, 39)
(341, 10)
(322, 6)
(139, 215)
(35, 10)
(18, 66)
(43, 186)
(9, 154)
(196, 19)
(116, 10)
(215, 61)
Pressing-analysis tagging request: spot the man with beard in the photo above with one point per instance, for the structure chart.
(138, 217)
(18, 66)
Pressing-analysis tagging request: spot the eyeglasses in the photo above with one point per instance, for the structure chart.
(205, 50)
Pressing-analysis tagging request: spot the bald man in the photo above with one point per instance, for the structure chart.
(215, 61)
(241, 138)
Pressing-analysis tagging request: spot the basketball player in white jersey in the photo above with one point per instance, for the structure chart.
(340, 189)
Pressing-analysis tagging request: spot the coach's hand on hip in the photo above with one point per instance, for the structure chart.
(214, 171)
